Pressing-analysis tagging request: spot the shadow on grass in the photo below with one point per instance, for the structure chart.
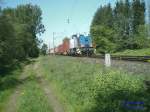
(12, 82)
(9, 78)
(122, 101)
(16, 66)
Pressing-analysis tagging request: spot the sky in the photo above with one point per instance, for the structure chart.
(56, 13)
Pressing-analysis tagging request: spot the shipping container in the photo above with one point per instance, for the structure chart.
(65, 46)
(60, 49)
(56, 50)
(51, 51)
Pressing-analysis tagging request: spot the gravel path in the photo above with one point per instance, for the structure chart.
(45, 86)
(12, 102)
(49, 93)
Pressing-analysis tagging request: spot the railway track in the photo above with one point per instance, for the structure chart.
(137, 65)
(128, 58)
(121, 57)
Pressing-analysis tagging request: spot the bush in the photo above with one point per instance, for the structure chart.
(113, 88)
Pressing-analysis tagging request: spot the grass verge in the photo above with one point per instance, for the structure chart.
(32, 98)
(86, 87)
(8, 83)
(140, 52)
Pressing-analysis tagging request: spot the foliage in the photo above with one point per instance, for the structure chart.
(6, 45)
(92, 88)
(113, 88)
(141, 39)
(30, 98)
(103, 38)
(19, 28)
(44, 49)
(139, 52)
(7, 85)
(125, 21)
(138, 7)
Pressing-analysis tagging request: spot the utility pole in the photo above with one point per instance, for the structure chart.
(49, 51)
(54, 42)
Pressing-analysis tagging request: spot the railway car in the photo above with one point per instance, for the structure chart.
(51, 51)
(56, 50)
(65, 46)
(60, 49)
(76, 45)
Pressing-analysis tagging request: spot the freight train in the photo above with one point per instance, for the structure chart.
(76, 45)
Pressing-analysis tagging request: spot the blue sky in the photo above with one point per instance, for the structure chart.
(56, 13)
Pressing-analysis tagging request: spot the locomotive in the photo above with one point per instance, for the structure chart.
(76, 45)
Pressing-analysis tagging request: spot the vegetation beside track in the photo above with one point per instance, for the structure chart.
(86, 87)
(32, 97)
(7, 84)
(9, 80)
(22, 81)
(140, 52)
(79, 85)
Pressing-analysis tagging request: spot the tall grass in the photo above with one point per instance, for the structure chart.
(32, 98)
(139, 52)
(8, 83)
(85, 87)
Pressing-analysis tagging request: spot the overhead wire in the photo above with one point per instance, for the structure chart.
(69, 19)
(74, 4)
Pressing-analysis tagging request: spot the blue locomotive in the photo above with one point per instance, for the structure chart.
(81, 45)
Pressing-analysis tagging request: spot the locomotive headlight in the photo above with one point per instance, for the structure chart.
(78, 51)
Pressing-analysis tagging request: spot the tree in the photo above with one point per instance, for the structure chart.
(103, 16)
(44, 49)
(6, 43)
(102, 29)
(30, 15)
(123, 23)
(116, 29)
(141, 39)
(27, 23)
(103, 38)
(138, 8)
(19, 28)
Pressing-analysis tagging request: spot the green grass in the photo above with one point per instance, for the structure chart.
(140, 52)
(80, 86)
(7, 85)
(9, 80)
(86, 87)
(32, 98)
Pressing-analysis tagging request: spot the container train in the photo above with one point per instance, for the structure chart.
(76, 45)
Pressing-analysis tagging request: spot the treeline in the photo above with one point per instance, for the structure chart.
(121, 27)
(19, 28)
